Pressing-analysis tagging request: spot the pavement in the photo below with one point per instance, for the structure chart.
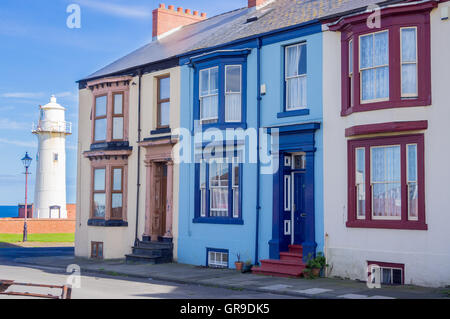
(10, 254)
(231, 279)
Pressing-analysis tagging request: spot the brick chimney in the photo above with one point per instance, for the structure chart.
(166, 20)
(258, 3)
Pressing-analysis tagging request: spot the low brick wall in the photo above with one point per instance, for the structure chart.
(37, 226)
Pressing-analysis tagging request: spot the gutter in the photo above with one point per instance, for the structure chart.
(258, 163)
(138, 184)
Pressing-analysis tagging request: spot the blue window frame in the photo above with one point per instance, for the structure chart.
(218, 195)
(220, 92)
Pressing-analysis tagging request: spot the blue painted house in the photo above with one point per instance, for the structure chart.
(255, 82)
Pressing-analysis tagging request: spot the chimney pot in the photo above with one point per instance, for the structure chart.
(203, 15)
(162, 5)
(196, 13)
(171, 7)
(180, 9)
(187, 11)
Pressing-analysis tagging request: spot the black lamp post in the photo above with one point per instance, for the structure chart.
(26, 160)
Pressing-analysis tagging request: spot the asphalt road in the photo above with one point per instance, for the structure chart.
(94, 286)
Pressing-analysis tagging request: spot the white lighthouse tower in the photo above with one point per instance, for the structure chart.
(50, 189)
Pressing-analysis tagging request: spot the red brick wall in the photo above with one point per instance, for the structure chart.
(37, 226)
(71, 211)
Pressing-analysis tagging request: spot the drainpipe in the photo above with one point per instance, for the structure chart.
(258, 164)
(138, 184)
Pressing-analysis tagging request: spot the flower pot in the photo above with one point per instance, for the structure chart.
(239, 265)
(315, 272)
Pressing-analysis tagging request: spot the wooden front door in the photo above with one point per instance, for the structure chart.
(159, 215)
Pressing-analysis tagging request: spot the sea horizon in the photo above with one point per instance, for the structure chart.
(9, 211)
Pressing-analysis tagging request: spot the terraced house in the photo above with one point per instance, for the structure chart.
(271, 133)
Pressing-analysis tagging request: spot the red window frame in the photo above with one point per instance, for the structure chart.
(404, 222)
(392, 20)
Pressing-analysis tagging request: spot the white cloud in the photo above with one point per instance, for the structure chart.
(8, 124)
(23, 95)
(116, 9)
(18, 143)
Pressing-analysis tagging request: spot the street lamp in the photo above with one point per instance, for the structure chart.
(26, 160)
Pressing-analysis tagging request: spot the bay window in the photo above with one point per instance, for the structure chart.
(209, 95)
(381, 68)
(295, 76)
(219, 195)
(117, 116)
(117, 193)
(99, 193)
(386, 183)
(233, 96)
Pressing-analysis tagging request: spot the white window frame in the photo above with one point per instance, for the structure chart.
(351, 71)
(408, 182)
(215, 262)
(286, 78)
(201, 97)
(233, 93)
(372, 183)
(412, 95)
(371, 68)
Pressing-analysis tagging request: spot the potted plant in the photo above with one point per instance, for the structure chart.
(247, 266)
(315, 265)
(238, 264)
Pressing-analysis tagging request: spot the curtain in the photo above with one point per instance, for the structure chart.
(386, 187)
(296, 76)
(209, 107)
(209, 99)
(233, 107)
(218, 175)
(413, 189)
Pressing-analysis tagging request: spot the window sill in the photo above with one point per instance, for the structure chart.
(107, 146)
(218, 220)
(161, 130)
(223, 126)
(387, 224)
(107, 223)
(386, 105)
(301, 112)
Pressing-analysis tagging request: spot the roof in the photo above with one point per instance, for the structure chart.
(229, 27)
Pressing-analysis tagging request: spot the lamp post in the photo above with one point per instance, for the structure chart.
(26, 160)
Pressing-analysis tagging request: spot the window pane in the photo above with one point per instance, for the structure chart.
(350, 57)
(296, 95)
(413, 189)
(99, 179)
(214, 80)
(99, 205)
(164, 114)
(118, 107)
(100, 106)
(409, 79)
(116, 205)
(100, 130)
(292, 61)
(382, 82)
(233, 107)
(233, 78)
(235, 190)
(117, 179)
(368, 84)
(366, 51)
(302, 67)
(203, 189)
(164, 88)
(381, 49)
(386, 188)
(218, 174)
(204, 82)
(360, 180)
(409, 45)
(209, 107)
(117, 128)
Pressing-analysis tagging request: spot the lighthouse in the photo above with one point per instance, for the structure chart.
(50, 188)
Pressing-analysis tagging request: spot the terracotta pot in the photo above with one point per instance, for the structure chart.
(239, 265)
(316, 272)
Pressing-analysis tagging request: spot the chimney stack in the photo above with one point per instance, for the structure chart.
(256, 3)
(166, 20)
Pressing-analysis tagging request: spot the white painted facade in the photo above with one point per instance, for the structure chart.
(50, 189)
(425, 253)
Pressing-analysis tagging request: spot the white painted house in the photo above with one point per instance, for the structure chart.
(50, 189)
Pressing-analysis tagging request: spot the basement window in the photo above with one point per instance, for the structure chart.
(390, 274)
(97, 249)
(217, 258)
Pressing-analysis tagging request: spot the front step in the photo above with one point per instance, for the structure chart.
(151, 252)
(282, 268)
(291, 257)
(296, 249)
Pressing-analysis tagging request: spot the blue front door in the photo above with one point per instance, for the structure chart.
(299, 214)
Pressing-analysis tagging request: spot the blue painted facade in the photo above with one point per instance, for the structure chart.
(299, 131)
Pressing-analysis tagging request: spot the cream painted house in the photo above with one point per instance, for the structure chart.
(388, 146)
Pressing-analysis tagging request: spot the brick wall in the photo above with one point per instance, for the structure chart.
(37, 226)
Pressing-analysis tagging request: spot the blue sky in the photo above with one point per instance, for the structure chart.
(40, 56)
